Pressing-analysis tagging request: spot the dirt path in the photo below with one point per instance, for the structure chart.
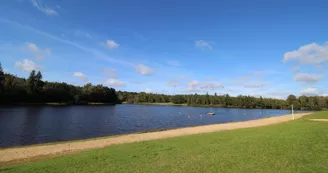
(324, 120)
(30, 152)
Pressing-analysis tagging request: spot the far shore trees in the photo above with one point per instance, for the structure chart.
(16, 90)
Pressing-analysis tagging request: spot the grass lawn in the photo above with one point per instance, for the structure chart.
(295, 146)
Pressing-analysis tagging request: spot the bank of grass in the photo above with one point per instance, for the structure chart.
(295, 146)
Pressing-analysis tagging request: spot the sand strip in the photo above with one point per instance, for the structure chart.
(29, 152)
(324, 120)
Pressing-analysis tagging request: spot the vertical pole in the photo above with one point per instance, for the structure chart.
(293, 112)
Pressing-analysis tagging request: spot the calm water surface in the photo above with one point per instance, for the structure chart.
(34, 125)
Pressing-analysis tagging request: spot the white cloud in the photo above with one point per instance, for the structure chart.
(96, 54)
(43, 8)
(111, 44)
(33, 47)
(310, 92)
(192, 86)
(114, 82)
(203, 44)
(5, 70)
(147, 90)
(308, 54)
(308, 78)
(255, 85)
(143, 70)
(39, 54)
(211, 85)
(80, 75)
(28, 65)
(196, 86)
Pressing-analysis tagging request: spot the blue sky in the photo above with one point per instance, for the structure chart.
(251, 47)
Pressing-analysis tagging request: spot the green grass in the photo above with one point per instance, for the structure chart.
(319, 115)
(295, 146)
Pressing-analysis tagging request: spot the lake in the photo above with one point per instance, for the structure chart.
(34, 125)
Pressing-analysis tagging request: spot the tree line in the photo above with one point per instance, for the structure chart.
(227, 101)
(15, 90)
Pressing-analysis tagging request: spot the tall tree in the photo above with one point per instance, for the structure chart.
(2, 80)
(31, 83)
(291, 99)
(38, 82)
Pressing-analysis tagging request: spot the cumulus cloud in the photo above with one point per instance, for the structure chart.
(211, 85)
(143, 70)
(196, 86)
(310, 92)
(80, 75)
(254, 85)
(113, 77)
(111, 44)
(147, 90)
(192, 86)
(39, 54)
(308, 54)
(114, 82)
(48, 11)
(307, 78)
(201, 44)
(28, 65)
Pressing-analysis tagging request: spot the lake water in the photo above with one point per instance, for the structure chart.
(33, 125)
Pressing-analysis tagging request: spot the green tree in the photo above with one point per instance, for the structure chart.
(31, 83)
(178, 99)
(38, 82)
(2, 81)
(291, 99)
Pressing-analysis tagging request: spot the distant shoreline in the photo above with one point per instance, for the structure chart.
(143, 103)
(58, 104)
(207, 106)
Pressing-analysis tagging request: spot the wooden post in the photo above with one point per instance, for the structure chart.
(293, 112)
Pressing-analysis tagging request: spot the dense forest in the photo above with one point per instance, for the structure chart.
(302, 102)
(15, 90)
